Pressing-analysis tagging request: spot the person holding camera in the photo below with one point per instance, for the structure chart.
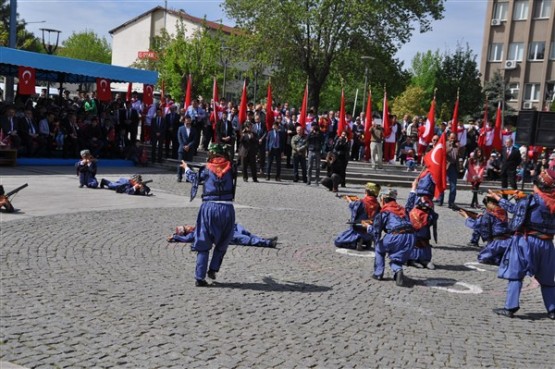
(248, 148)
(453, 154)
(314, 146)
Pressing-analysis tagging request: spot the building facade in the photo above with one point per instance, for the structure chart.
(519, 42)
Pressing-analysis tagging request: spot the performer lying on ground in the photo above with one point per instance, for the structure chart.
(241, 237)
(131, 186)
(86, 170)
(493, 226)
(361, 209)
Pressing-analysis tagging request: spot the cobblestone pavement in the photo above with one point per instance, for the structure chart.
(89, 281)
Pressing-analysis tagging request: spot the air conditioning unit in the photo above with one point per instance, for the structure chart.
(527, 105)
(510, 64)
(496, 22)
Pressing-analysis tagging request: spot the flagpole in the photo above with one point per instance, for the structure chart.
(355, 106)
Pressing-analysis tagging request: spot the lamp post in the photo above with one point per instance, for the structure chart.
(50, 47)
(224, 58)
(365, 58)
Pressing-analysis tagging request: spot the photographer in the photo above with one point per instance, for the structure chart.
(453, 155)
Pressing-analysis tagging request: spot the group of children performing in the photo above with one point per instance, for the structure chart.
(520, 246)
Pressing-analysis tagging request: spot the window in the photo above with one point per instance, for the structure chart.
(496, 52)
(536, 50)
(521, 10)
(532, 92)
(500, 11)
(552, 51)
(515, 90)
(542, 8)
(516, 51)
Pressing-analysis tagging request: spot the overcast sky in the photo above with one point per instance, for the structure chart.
(463, 22)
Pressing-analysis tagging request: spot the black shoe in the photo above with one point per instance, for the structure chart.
(201, 283)
(103, 183)
(81, 186)
(377, 277)
(211, 274)
(278, 179)
(255, 180)
(273, 242)
(399, 278)
(359, 245)
(245, 179)
(415, 264)
(268, 178)
(296, 180)
(179, 180)
(504, 312)
(472, 244)
(551, 315)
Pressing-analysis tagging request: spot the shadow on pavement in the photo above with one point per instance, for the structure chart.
(268, 284)
(457, 248)
(532, 316)
(454, 268)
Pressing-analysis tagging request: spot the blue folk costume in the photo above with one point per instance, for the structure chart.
(86, 170)
(493, 227)
(363, 209)
(127, 185)
(241, 237)
(398, 240)
(424, 220)
(531, 250)
(216, 216)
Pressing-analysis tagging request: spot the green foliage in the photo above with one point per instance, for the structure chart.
(24, 40)
(412, 101)
(425, 67)
(496, 90)
(322, 39)
(86, 45)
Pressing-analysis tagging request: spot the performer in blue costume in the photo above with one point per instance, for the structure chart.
(216, 216)
(493, 226)
(130, 186)
(398, 240)
(241, 237)
(86, 170)
(361, 209)
(531, 251)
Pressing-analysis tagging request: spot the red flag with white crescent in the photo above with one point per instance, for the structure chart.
(148, 94)
(386, 122)
(436, 162)
(497, 144)
(188, 91)
(367, 126)
(269, 112)
(428, 131)
(455, 123)
(216, 108)
(26, 85)
(342, 122)
(103, 91)
(129, 90)
(243, 105)
(483, 130)
(304, 108)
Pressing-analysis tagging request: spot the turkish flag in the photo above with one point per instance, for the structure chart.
(188, 91)
(26, 84)
(148, 94)
(483, 130)
(386, 122)
(103, 91)
(455, 123)
(342, 123)
(367, 126)
(428, 132)
(269, 112)
(304, 108)
(497, 144)
(216, 108)
(129, 89)
(243, 105)
(162, 97)
(436, 162)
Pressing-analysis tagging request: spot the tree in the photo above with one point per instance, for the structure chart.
(24, 40)
(412, 101)
(424, 71)
(86, 45)
(496, 90)
(313, 35)
(458, 72)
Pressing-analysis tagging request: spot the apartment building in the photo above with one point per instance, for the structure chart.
(519, 42)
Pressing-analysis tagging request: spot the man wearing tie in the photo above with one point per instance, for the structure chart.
(260, 130)
(274, 148)
(511, 159)
(29, 133)
(10, 126)
(172, 125)
(158, 135)
(187, 138)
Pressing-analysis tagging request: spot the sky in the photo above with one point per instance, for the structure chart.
(463, 21)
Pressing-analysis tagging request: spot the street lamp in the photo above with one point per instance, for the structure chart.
(365, 58)
(50, 47)
(225, 52)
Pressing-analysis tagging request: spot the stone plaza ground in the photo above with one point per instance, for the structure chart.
(89, 281)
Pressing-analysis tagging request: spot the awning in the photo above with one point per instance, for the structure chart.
(66, 70)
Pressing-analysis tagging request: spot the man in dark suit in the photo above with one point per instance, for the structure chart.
(187, 137)
(510, 159)
(9, 124)
(158, 135)
(225, 134)
(259, 128)
(172, 126)
(29, 133)
(274, 149)
(129, 118)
